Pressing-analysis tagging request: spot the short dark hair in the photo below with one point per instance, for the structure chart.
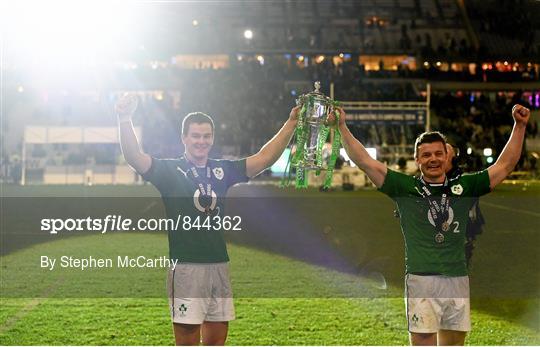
(429, 137)
(196, 117)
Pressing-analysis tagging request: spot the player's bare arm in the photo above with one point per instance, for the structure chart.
(512, 150)
(136, 158)
(273, 149)
(375, 170)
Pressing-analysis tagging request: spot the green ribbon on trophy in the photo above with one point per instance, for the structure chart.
(310, 137)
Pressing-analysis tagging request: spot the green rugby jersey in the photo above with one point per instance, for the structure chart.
(422, 253)
(180, 194)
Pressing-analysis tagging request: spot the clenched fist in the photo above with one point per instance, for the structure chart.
(125, 106)
(521, 114)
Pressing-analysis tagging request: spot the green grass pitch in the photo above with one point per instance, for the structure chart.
(281, 298)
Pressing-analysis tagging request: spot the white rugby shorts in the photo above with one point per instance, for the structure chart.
(437, 302)
(200, 293)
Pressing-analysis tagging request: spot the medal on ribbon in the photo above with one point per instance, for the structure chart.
(438, 210)
(205, 195)
(445, 226)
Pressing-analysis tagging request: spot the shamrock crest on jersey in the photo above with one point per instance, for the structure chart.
(218, 173)
(457, 189)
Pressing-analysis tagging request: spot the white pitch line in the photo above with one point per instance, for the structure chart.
(535, 214)
(149, 206)
(11, 321)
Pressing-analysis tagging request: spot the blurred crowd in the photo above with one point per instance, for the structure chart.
(511, 19)
(249, 102)
(480, 120)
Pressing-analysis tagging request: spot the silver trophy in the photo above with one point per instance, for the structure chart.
(311, 135)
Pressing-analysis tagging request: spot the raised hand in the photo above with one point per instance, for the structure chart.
(521, 114)
(331, 119)
(125, 106)
(342, 115)
(294, 113)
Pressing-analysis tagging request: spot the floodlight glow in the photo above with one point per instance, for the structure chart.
(281, 164)
(260, 58)
(343, 153)
(158, 95)
(195, 22)
(490, 160)
(60, 33)
(372, 151)
(469, 150)
(488, 152)
(20, 89)
(248, 34)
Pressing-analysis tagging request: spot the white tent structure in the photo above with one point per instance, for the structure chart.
(77, 174)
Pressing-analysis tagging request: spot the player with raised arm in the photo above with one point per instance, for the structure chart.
(433, 210)
(200, 293)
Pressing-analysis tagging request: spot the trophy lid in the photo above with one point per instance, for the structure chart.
(317, 86)
(316, 93)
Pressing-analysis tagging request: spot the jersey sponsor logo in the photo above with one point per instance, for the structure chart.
(218, 172)
(197, 203)
(449, 220)
(457, 189)
(182, 171)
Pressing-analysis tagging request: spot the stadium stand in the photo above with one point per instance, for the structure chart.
(378, 50)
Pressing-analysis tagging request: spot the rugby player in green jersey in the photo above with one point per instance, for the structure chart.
(200, 293)
(433, 210)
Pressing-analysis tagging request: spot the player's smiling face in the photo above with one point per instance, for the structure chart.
(198, 141)
(431, 160)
